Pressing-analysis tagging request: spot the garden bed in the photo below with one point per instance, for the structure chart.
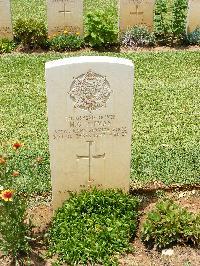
(42, 214)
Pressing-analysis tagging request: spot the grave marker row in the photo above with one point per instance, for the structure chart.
(67, 15)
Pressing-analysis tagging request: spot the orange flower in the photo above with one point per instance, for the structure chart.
(7, 195)
(2, 160)
(17, 145)
(15, 173)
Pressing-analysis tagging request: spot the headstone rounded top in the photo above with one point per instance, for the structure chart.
(88, 59)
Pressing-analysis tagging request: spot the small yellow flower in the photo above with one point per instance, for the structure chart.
(65, 31)
(78, 33)
(7, 195)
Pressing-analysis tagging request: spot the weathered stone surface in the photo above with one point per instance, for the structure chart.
(65, 15)
(193, 19)
(90, 123)
(5, 20)
(136, 12)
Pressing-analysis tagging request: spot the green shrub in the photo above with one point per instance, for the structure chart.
(65, 42)
(169, 224)
(138, 36)
(161, 22)
(31, 33)
(93, 226)
(179, 14)
(6, 46)
(170, 21)
(193, 38)
(100, 29)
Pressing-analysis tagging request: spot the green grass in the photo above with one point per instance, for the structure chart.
(166, 116)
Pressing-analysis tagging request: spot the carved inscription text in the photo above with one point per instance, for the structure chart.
(90, 126)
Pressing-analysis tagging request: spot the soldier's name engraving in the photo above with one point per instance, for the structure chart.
(68, 28)
(90, 126)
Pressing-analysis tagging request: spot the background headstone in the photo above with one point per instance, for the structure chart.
(90, 123)
(65, 15)
(5, 20)
(136, 12)
(193, 19)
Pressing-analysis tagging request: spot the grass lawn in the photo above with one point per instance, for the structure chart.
(166, 116)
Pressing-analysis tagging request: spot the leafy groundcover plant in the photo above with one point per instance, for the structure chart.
(6, 46)
(138, 36)
(94, 226)
(193, 38)
(66, 42)
(170, 224)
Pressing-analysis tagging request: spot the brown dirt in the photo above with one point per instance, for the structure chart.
(41, 216)
(21, 50)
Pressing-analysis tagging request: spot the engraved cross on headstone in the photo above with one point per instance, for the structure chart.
(65, 11)
(137, 12)
(90, 157)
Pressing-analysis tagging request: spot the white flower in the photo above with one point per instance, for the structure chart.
(1, 188)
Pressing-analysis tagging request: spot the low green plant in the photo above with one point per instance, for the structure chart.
(6, 46)
(193, 38)
(169, 224)
(14, 231)
(93, 226)
(31, 33)
(138, 36)
(65, 42)
(101, 30)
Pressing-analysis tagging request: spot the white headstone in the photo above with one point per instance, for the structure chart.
(5, 20)
(65, 15)
(90, 123)
(193, 19)
(136, 13)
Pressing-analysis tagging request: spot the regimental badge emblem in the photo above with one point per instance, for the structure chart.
(90, 91)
